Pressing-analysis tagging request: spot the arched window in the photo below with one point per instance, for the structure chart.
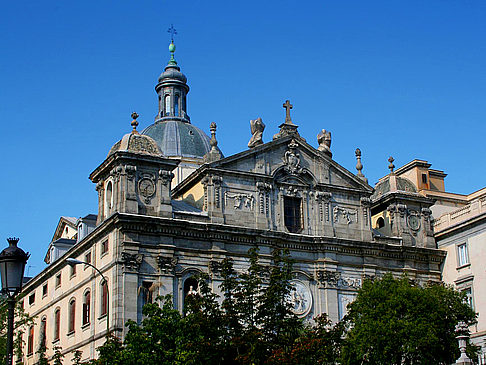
(380, 223)
(108, 198)
(190, 288)
(104, 298)
(167, 104)
(30, 341)
(57, 323)
(176, 106)
(72, 315)
(86, 307)
(43, 333)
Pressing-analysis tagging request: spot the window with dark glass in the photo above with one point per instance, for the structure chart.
(32, 298)
(30, 341)
(43, 333)
(57, 324)
(73, 270)
(58, 280)
(87, 257)
(104, 247)
(72, 315)
(293, 214)
(104, 298)
(44, 290)
(86, 307)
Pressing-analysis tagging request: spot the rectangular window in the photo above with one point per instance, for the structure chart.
(424, 178)
(462, 255)
(58, 280)
(469, 297)
(293, 214)
(73, 270)
(44, 290)
(87, 257)
(32, 298)
(104, 247)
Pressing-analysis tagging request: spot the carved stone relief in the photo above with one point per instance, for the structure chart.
(365, 203)
(241, 201)
(130, 171)
(291, 159)
(146, 188)
(132, 261)
(300, 298)
(167, 264)
(344, 215)
(334, 279)
(263, 197)
(323, 200)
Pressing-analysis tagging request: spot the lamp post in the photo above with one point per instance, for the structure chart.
(12, 265)
(73, 262)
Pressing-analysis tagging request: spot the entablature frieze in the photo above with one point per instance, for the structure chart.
(238, 235)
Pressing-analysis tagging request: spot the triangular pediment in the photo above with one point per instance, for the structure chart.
(292, 160)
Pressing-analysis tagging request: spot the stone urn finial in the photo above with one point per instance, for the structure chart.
(134, 122)
(391, 166)
(359, 165)
(462, 334)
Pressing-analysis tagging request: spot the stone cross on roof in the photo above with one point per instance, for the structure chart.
(287, 107)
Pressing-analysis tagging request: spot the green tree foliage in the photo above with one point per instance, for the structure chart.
(392, 321)
(58, 356)
(76, 360)
(253, 320)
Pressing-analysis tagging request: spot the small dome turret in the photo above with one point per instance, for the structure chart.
(136, 143)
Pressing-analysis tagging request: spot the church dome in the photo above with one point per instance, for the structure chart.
(403, 185)
(172, 73)
(136, 143)
(178, 139)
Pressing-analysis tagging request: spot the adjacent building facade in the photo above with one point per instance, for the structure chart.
(170, 206)
(460, 231)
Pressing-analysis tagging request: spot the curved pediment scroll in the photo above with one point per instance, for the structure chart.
(305, 177)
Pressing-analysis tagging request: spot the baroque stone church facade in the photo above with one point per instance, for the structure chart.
(171, 205)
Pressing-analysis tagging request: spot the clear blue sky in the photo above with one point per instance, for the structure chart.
(402, 78)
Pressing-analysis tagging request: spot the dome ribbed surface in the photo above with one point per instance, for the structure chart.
(136, 143)
(179, 139)
(404, 185)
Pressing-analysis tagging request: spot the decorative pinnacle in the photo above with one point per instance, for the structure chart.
(134, 122)
(359, 165)
(213, 142)
(13, 240)
(172, 46)
(391, 166)
(287, 107)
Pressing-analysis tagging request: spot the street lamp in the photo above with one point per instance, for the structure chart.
(73, 262)
(12, 265)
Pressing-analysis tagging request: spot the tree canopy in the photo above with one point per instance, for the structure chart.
(392, 321)
(395, 321)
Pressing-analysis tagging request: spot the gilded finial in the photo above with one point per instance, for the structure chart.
(391, 166)
(134, 122)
